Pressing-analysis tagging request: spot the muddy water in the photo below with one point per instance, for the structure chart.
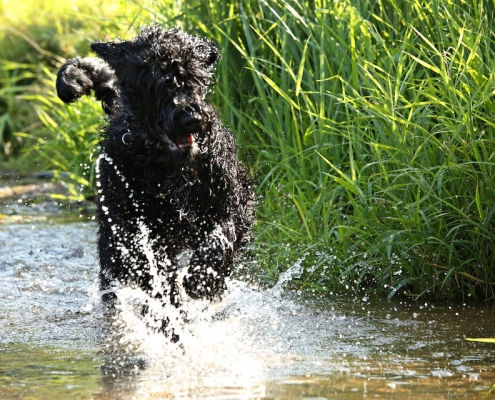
(256, 344)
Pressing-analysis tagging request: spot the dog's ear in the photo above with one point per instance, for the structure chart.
(114, 53)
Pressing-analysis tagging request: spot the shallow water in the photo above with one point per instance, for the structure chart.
(256, 344)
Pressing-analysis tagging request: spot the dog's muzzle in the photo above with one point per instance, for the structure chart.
(186, 122)
(190, 120)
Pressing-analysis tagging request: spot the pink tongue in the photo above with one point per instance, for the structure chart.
(186, 140)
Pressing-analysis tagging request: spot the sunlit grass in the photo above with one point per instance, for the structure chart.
(49, 31)
(482, 340)
(67, 143)
(34, 35)
(372, 127)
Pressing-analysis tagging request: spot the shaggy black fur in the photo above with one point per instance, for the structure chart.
(169, 177)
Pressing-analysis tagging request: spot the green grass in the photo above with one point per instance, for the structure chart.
(67, 142)
(373, 130)
(370, 126)
(34, 36)
(14, 114)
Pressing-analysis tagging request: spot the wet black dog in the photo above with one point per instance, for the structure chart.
(169, 177)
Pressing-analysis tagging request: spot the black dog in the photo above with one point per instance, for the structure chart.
(169, 177)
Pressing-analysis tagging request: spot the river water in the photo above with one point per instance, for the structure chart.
(57, 343)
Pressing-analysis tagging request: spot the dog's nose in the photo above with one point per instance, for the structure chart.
(190, 121)
(191, 117)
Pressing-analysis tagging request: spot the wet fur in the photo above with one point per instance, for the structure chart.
(155, 200)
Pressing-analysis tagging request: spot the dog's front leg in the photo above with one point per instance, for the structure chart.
(211, 262)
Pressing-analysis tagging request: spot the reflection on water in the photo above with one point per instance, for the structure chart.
(255, 344)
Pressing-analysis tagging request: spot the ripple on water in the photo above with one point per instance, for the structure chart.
(254, 343)
(48, 279)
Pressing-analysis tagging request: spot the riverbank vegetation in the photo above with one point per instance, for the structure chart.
(370, 127)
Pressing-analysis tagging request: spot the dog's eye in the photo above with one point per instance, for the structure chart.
(170, 79)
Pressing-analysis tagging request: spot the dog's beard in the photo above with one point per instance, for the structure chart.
(185, 163)
(192, 155)
(183, 152)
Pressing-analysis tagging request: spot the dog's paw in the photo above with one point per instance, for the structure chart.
(204, 283)
(205, 278)
(210, 250)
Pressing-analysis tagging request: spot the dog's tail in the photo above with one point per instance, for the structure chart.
(79, 76)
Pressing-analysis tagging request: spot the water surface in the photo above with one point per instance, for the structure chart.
(256, 344)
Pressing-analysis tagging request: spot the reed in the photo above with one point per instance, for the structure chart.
(372, 127)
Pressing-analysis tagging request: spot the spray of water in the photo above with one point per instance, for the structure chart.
(234, 340)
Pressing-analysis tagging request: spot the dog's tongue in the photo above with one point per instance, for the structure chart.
(185, 141)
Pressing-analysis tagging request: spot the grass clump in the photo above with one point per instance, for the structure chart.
(372, 125)
(68, 140)
(36, 35)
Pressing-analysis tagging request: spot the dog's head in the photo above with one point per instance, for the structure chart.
(164, 77)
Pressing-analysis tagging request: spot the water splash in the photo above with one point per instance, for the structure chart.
(237, 339)
(293, 272)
